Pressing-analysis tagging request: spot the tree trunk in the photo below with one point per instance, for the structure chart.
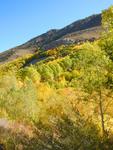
(101, 114)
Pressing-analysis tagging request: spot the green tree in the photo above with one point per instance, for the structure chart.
(93, 65)
(107, 20)
(57, 69)
(46, 72)
(66, 63)
(31, 73)
(106, 41)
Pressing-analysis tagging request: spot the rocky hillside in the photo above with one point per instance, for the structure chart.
(77, 32)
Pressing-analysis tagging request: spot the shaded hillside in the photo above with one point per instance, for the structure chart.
(79, 31)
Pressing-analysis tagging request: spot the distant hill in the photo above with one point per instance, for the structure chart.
(77, 32)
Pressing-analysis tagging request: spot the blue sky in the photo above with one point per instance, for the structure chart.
(21, 20)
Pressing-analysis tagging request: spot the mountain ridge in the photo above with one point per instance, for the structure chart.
(77, 32)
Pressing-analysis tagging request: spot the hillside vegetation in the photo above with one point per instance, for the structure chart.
(60, 99)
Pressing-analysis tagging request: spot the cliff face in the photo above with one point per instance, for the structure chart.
(79, 31)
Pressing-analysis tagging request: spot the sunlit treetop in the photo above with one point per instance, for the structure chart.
(107, 19)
